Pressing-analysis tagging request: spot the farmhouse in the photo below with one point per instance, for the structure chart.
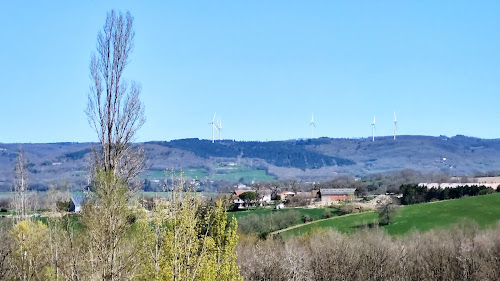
(333, 194)
(283, 195)
(264, 197)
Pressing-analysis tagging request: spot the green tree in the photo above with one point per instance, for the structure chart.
(188, 240)
(249, 197)
(30, 257)
(108, 219)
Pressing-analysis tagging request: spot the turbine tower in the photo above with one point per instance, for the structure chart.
(219, 127)
(395, 126)
(214, 128)
(312, 124)
(373, 129)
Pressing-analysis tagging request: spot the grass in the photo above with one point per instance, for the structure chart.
(244, 175)
(195, 173)
(5, 195)
(9, 212)
(315, 213)
(230, 173)
(484, 210)
(166, 194)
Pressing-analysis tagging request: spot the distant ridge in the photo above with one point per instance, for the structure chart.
(306, 159)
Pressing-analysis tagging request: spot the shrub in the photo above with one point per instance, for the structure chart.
(327, 214)
(486, 191)
(306, 218)
(346, 209)
(63, 206)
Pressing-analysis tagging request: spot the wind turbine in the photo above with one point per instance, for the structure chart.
(373, 129)
(214, 128)
(395, 126)
(312, 124)
(219, 127)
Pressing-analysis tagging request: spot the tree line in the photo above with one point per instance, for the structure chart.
(416, 194)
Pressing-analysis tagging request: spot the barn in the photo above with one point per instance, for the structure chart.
(336, 194)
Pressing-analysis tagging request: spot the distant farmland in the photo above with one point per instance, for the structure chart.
(484, 210)
(229, 173)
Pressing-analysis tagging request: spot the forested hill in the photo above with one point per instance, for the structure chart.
(303, 159)
(294, 154)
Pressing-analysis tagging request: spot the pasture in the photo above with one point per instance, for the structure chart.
(313, 213)
(484, 210)
(231, 173)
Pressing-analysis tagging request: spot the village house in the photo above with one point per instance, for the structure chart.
(285, 194)
(336, 194)
(264, 198)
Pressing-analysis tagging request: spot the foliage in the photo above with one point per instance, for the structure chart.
(306, 218)
(108, 220)
(327, 214)
(415, 194)
(346, 209)
(64, 205)
(189, 241)
(249, 197)
(31, 239)
(297, 155)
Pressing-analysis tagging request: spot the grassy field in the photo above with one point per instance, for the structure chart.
(247, 176)
(5, 195)
(231, 173)
(166, 194)
(484, 210)
(195, 173)
(316, 213)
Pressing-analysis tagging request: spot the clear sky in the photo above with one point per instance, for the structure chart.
(263, 66)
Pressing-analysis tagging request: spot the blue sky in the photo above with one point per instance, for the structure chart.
(263, 66)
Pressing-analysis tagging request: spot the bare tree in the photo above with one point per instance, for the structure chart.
(21, 185)
(114, 109)
(387, 211)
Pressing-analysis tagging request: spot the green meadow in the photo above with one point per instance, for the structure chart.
(484, 210)
(315, 213)
(231, 173)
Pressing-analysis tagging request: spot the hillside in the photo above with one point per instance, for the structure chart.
(483, 209)
(315, 159)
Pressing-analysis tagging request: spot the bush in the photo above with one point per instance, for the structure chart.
(306, 218)
(486, 191)
(346, 209)
(63, 206)
(327, 214)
